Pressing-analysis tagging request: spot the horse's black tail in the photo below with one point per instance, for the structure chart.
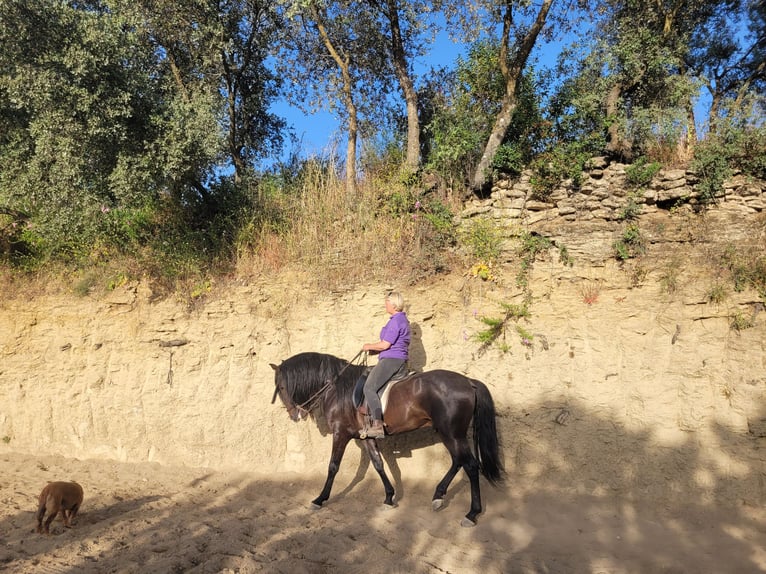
(485, 440)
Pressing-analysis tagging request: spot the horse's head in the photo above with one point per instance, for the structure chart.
(296, 412)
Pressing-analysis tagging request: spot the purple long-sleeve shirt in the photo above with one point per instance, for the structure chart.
(396, 332)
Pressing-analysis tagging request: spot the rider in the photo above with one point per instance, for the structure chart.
(393, 352)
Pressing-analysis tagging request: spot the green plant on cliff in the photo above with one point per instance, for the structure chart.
(496, 327)
(483, 239)
(632, 208)
(532, 245)
(631, 244)
(712, 168)
(740, 321)
(640, 173)
(747, 269)
(551, 168)
(670, 274)
(717, 293)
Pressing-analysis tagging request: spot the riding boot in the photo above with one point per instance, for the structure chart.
(376, 430)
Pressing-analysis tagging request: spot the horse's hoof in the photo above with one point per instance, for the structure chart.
(467, 523)
(436, 504)
(315, 506)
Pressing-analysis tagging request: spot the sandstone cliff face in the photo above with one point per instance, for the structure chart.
(634, 388)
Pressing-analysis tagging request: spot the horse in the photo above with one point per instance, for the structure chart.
(314, 383)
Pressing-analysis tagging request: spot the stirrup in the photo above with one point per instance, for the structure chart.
(379, 432)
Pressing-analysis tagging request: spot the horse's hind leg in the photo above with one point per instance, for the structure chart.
(471, 467)
(441, 489)
(462, 457)
(377, 463)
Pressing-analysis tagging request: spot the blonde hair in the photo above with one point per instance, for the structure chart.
(396, 300)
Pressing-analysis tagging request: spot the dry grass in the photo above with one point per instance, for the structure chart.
(341, 240)
(590, 292)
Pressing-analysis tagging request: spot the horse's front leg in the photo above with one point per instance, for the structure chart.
(377, 462)
(339, 443)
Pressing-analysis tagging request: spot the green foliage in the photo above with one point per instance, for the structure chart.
(105, 152)
(712, 168)
(495, 333)
(750, 151)
(84, 286)
(564, 257)
(494, 329)
(630, 244)
(640, 173)
(740, 321)
(440, 219)
(551, 168)
(530, 246)
(483, 239)
(717, 293)
(525, 336)
(460, 109)
(633, 206)
(669, 276)
(738, 143)
(509, 159)
(747, 269)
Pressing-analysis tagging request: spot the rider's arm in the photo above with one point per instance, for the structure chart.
(376, 347)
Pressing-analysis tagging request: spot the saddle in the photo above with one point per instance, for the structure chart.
(361, 405)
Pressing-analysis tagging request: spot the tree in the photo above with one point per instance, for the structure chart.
(216, 54)
(646, 44)
(405, 28)
(334, 57)
(459, 108)
(512, 61)
(77, 110)
(728, 55)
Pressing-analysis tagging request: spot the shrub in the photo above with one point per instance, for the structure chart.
(740, 321)
(631, 244)
(711, 165)
(497, 327)
(748, 270)
(483, 240)
(641, 172)
(509, 158)
(717, 293)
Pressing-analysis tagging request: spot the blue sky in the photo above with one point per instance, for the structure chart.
(318, 130)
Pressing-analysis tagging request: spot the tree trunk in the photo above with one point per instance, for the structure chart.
(616, 145)
(353, 130)
(512, 74)
(412, 161)
(348, 99)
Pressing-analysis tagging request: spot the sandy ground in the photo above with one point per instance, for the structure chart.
(151, 518)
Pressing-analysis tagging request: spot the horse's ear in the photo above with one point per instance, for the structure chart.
(273, 366)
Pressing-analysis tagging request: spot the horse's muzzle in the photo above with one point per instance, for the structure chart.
(298, 414)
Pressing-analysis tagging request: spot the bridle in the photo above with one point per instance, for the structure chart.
(306, 407)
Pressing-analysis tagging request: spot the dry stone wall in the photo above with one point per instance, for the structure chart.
(588, 218)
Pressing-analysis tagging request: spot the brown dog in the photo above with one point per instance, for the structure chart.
(63, 496)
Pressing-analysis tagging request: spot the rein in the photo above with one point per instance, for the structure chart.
(314, 399)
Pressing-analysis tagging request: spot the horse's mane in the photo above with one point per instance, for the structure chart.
(306, 373)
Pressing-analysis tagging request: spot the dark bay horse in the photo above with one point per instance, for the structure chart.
(444, 400)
